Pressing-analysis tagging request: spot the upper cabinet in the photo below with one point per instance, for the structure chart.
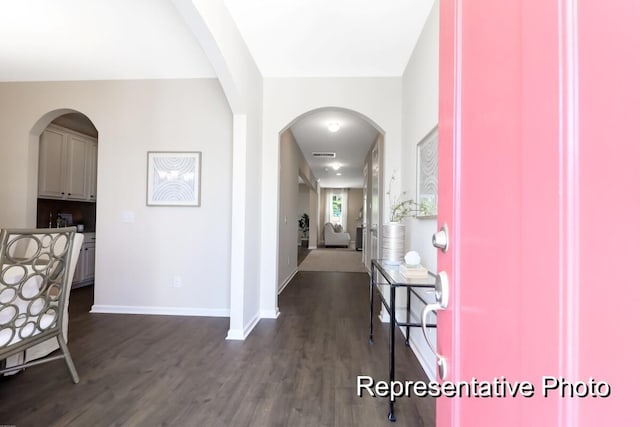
(68, 163)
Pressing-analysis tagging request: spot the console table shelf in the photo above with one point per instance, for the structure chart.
(391, 279)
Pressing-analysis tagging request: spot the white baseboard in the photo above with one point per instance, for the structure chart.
(241, 335)
(384, 315)
(421, 354)
(287, 280)
(425, 356)
(162, 311)
(235, 334)
(270, 314)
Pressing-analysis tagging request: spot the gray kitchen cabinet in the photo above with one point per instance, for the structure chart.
(85, 268)
(68, 163)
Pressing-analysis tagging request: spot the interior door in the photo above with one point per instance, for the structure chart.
(366, 257)
(374, 225)
(537, 174)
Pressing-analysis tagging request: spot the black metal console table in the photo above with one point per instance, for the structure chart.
(394, 280)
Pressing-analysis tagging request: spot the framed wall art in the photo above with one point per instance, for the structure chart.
(427, 175)
(173, 178)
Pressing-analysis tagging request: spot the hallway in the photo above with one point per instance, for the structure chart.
(150, 370)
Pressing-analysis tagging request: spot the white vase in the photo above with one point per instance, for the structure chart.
(393, 242)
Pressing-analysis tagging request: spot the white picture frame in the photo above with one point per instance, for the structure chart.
(173, 178)
(427, 175)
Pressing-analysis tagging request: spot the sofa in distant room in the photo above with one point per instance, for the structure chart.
(334, 236)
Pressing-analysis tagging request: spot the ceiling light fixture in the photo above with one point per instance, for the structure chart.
(333, 127)
(335, 166)
(339, 173)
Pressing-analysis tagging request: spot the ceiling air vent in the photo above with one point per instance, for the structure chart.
(324, 154)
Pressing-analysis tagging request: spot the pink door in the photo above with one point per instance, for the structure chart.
(539, 175)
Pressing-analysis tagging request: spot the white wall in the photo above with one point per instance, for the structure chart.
(292, 164)
(284, 99)
(290, 160)
(135, 262)
(222, 43)
(419, 116)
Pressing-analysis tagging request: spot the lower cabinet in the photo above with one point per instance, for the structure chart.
(85, 268)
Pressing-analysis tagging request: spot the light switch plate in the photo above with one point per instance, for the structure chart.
(128, 216)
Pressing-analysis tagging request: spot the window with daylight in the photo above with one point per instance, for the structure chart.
(336, 208)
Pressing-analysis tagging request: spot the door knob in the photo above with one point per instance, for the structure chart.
(440, 239)
(442, 302)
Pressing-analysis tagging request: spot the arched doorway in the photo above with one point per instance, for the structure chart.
(332, 149)
(67, 159)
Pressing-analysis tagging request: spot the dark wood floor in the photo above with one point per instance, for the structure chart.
(298, 370)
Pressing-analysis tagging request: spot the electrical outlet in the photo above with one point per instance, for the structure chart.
(177, 281)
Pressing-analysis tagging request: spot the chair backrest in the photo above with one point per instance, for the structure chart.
(35, 277)
(328, 228)
(75, 254)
